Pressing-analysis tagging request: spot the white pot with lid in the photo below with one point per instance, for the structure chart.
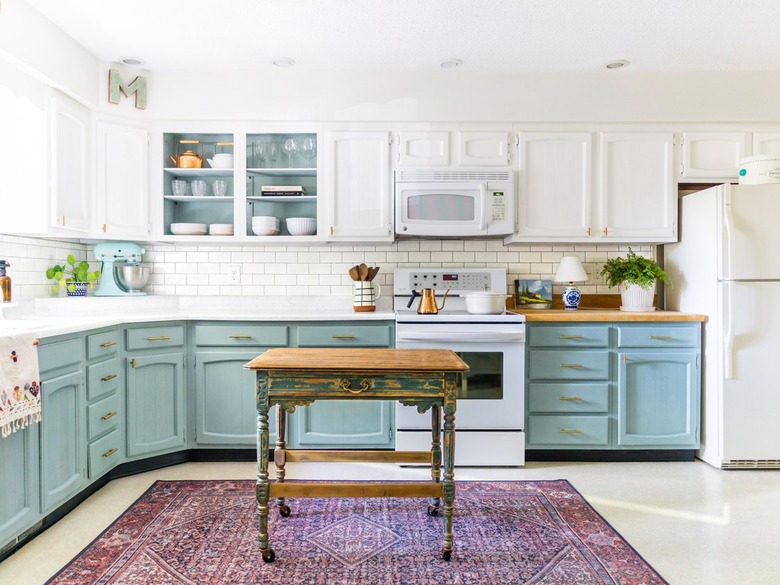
(485, 303)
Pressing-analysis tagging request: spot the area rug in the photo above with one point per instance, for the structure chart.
(205, 533)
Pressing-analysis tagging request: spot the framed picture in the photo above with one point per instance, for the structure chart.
(533, 294)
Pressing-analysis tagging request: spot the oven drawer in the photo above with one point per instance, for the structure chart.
(568, 431)
(559, 364)
(569, 398)
(568, 335)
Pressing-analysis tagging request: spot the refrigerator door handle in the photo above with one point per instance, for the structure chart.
(728, 328)
(728, 244)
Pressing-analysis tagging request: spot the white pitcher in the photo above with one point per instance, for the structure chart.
(366, 295)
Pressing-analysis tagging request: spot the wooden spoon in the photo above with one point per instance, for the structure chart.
(372, 272)
(363, 271)
(353, 273)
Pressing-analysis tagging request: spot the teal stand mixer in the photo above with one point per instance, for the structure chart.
(122, 273)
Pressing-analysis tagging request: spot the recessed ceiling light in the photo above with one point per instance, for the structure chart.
(284, 62)
(617, 64)
(135, 61)
(451, 63)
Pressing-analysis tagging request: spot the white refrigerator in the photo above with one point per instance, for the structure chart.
(727, 266)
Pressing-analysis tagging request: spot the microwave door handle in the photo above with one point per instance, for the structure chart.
(485, 206)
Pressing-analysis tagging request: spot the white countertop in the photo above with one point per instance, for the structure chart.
(47, 317)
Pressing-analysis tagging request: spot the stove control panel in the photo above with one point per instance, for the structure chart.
(455, 280)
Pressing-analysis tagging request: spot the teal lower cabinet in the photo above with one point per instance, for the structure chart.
(363, 424)
(63, 462)
(154, 373)
(19, 504)
(613, 387)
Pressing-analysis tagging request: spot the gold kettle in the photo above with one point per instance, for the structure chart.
(188, 159)
(427, 304)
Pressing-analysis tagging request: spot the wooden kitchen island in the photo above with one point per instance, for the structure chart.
(290, 377)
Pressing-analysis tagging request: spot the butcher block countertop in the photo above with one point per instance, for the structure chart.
(608, 315)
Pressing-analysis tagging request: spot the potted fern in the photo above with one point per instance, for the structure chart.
(72, 276)
(636, 277)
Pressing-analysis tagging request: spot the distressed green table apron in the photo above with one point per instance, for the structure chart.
(290, 377)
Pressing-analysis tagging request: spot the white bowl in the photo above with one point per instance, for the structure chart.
(301, 226)
(485, 303)
(264, 231)
(189, 229)
(221, 229)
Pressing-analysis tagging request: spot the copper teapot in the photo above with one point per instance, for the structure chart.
(188, 159)
(427, 304)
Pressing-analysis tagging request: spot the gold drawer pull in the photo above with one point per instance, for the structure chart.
(575, 366)
(108, 377)
(570, 336)
(158, 338)
(237, 336)
(364, 385)
(108, 344)
(110, 452)
(570, 431)
(661, 337)
(342, 337)
(571, 398)
(108, 415)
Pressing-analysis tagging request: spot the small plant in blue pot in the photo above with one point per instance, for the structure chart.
(72, 276)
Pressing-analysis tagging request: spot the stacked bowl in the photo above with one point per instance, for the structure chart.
(301, 226)
(265, 225)
(220, 229)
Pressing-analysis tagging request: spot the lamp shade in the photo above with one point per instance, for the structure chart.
(570, 270)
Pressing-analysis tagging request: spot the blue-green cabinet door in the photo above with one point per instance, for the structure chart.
(658, 399)
(19, 504)
(62, 439)
(359, 424)
(155, 403)
(225, 409)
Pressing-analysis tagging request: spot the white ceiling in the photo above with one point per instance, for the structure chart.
(417, 35)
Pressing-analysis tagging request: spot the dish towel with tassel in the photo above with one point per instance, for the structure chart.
(20, 382)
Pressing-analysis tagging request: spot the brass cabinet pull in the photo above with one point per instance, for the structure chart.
(346, 385)
(108, 377)
(571, 398)
(108, 415)
(132, 363)
(342, 337)
(605, 231)
(575, 366)
(570, 336)
(239, 336)
(108, 344)
(110, 452)
(570, 431)
(158, 338)
(661, 337)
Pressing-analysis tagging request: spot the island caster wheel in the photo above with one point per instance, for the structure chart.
(284, 511)
(433, 511)
(269, 556)
(446, 555)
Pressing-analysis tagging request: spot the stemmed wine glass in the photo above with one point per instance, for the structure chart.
(309, 148)
(273, 153)
(290, 148)
(259, 148)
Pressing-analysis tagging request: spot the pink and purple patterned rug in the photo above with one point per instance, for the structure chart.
(205, 533)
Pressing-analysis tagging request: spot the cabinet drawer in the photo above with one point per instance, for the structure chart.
(568, 336)
(568, 431)
(555, 364)
(102, 344)
(103, 378)
(104, 454)
(53, 356)
(240, 334)
(573, 398)
(660, 336)
(103, 416)
(353, 335)
(153, 337)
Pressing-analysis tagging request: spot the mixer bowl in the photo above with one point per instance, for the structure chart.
(132, 277)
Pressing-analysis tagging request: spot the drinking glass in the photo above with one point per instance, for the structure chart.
(273, 153)
(219, 187)
(290, 148)
(309, 149)
(179, 187)
(259, 148)
(198, 187)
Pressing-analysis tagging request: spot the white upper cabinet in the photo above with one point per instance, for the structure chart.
(554, 185)
(423, 148)
(359, 186)
(766, 143)
(467, 145)
(483, 147)
(68, 165)
(122, 180)
(712, 156)
(636, 193)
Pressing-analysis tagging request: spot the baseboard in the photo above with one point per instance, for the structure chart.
(610, 455)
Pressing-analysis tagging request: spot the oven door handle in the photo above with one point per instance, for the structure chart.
(515, 336)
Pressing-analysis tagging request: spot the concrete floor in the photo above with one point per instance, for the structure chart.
(696, 525)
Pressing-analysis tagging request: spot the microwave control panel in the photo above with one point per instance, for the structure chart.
(498, 205)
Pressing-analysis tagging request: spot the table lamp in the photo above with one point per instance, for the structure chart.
(570, 270)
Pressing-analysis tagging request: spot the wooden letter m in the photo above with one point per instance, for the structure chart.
(137, 87)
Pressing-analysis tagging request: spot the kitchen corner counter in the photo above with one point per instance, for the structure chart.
(604, 315)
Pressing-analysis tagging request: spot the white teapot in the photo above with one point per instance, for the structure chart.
(221, 161)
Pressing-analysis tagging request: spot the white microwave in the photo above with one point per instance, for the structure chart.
(454, 202)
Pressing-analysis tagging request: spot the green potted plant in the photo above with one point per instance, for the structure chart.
(636, 277)
(72, 276)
